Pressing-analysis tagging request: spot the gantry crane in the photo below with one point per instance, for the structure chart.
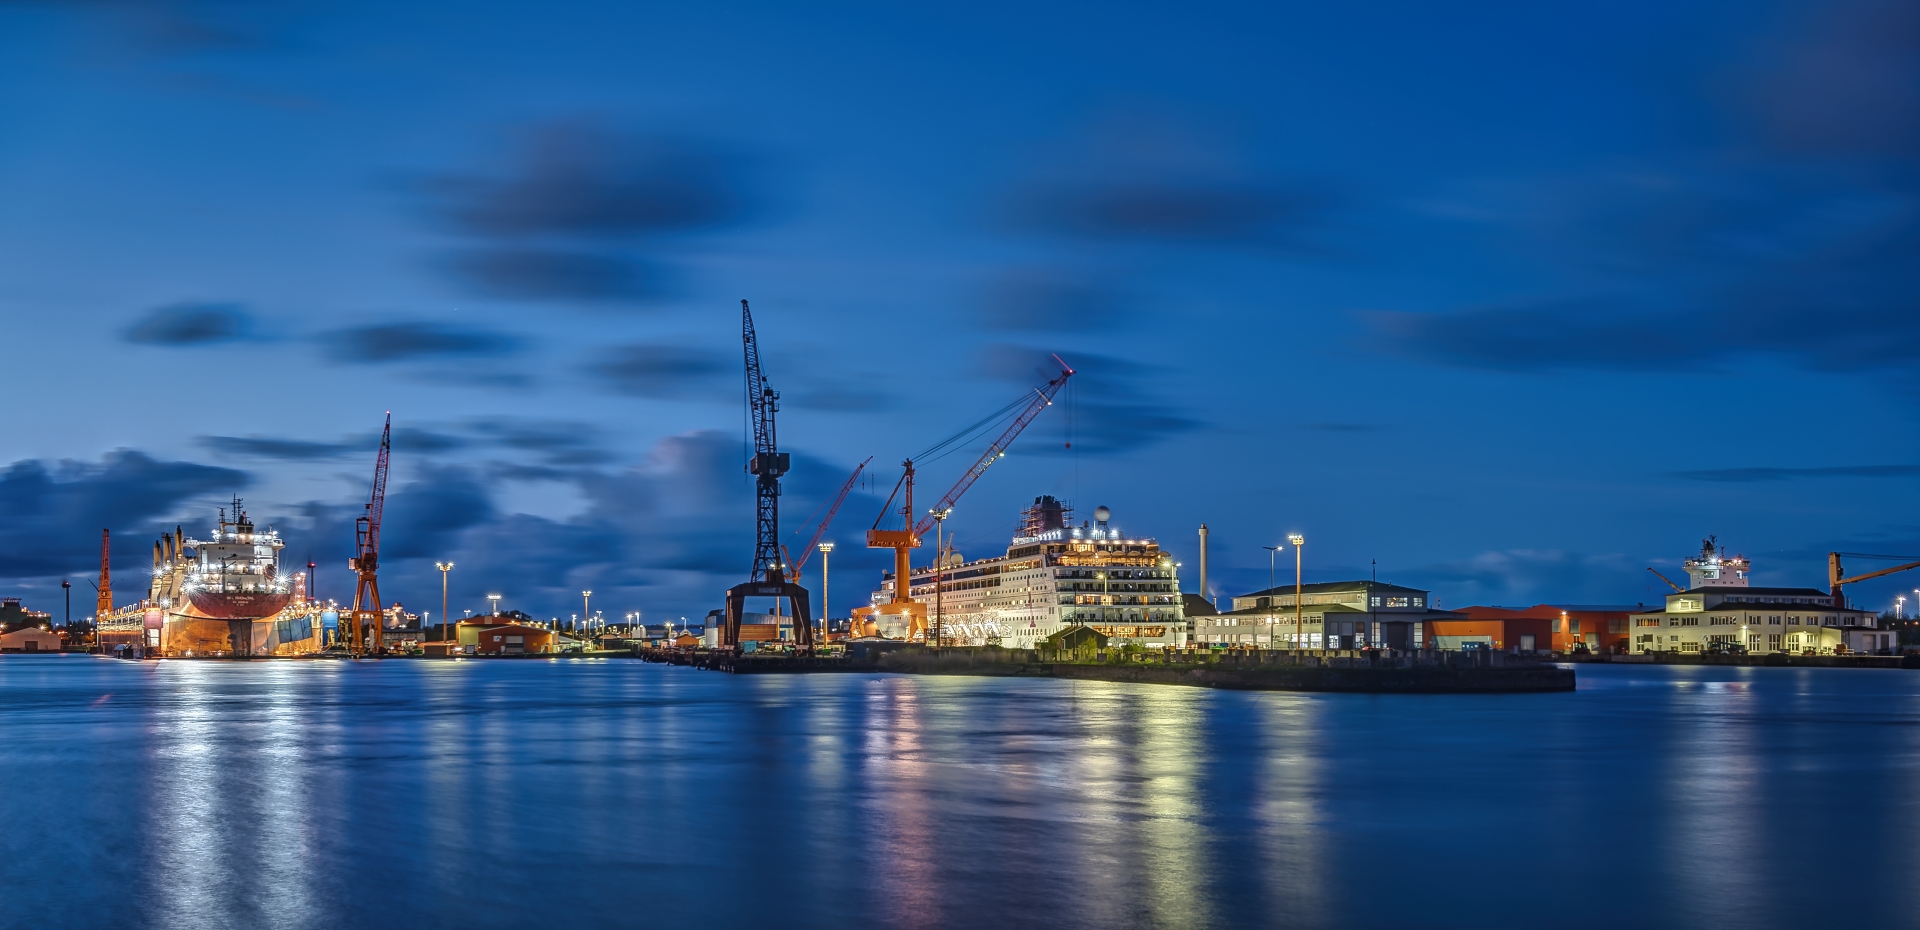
(1837, 577)
(366, 625)
(767, 465)
(903, 541)
(794, 566)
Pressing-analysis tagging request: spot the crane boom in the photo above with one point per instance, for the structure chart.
(1837, 576)
(1042, 399)
(795, 567)
(1664, 578)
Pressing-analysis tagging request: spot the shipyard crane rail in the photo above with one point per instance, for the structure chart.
(1837, 577)
(767, 579)
(795, 567)
(904, 541)
(366, 555)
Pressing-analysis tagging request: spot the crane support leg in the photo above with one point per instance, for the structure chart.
(796, 596)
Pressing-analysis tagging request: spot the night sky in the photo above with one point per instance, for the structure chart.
(1511, 299)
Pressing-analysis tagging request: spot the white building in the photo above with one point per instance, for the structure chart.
(1721, 606)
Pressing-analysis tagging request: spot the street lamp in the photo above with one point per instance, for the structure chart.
(446, 619)
(495, 598)
(1299, 635)
(1273, 553)
(586, 606)
(66, 587)
(939, 569)
(826, 592)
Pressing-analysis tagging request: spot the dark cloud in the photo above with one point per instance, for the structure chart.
(558, 442)
(406, 439)
(396, 342)
(668, 535)
(661, 371)
(585, 180)
(1174, 209)
(1844, 79)
(55, 511)
(286, 450)
(1042, 300)
(1749, 475)
(424, 516)
(1100, 410)
(190, 324)
(845, 400)
(1627, 338)
(512, 273)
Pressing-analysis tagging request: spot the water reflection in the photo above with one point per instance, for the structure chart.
(588, 794)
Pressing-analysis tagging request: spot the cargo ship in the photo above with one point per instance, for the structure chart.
(236, 574)
(225, 595)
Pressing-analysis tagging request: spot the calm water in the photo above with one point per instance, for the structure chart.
(614, 793)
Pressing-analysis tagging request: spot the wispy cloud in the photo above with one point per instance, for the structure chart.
(1747, 475)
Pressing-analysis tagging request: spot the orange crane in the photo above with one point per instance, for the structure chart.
(903, 541)
(366, 559)
(1837, 577)
(786, 558)
(1664, 578)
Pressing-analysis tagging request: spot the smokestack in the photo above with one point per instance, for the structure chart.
(1203, 564)
(166, 546)
(156, 555)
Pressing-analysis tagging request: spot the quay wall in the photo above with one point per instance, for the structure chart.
(1278, 672)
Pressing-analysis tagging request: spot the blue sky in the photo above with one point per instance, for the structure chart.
(1512, 300)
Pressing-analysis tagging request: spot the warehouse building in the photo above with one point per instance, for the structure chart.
(1329, 615)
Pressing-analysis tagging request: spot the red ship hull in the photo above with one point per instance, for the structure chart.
(221, 606)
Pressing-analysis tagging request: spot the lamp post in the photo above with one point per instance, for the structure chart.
(939, 570)
(446, 619)
(1273, 554)
(495, 598)
(586, 606)
(1299, 635)
(826, 592)
(66, 587)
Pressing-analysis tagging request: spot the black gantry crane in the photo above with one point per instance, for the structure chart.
(768, 577)
(367, 637)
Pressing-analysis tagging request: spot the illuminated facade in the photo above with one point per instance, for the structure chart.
(1721, 606)
(1052, 576)
(1330, 615)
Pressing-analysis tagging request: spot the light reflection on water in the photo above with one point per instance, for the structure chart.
(612, 793)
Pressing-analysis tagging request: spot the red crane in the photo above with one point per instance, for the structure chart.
(794, 568)
(366, 555)
(904, 540)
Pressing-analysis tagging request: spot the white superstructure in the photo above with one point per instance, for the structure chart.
(1052, 576)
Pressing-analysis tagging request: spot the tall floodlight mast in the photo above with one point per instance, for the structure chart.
(366, 555)
(768, 576)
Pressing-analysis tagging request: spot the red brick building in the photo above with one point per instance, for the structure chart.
(512, 639)
(1541, 628)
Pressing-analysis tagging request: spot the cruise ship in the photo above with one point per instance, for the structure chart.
(1054, 575)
